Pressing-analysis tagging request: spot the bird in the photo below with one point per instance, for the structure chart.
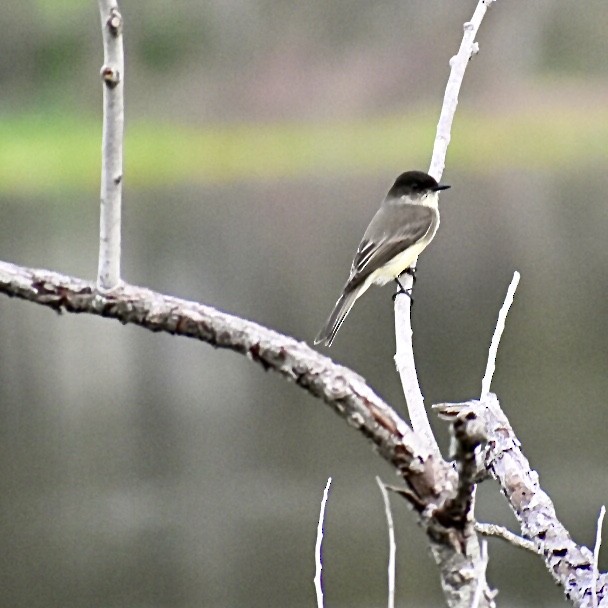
(401, 229)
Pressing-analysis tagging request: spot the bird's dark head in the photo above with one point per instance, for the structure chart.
(415, 183)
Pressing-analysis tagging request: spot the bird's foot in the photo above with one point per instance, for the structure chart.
(401, 289)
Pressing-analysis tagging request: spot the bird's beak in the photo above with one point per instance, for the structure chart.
(441, 187)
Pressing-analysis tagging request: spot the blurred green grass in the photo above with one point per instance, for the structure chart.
(58, 152)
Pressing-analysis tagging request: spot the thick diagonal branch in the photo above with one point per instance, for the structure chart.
(344, 390)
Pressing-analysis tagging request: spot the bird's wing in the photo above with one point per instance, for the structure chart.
(391, 231)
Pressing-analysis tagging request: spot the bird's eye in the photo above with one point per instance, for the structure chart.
(415, 186)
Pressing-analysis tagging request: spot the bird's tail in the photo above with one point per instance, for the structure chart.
(338, 314)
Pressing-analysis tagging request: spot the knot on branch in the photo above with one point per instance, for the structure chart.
(110, 76)
(114, 23)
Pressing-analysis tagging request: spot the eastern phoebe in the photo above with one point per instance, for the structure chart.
(403, 226)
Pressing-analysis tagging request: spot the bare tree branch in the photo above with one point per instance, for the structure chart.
(486, 383)
(571, 565)
(112, 75)
(392, 547)
(502, 532)
(318, 581)
(458, 65)
(404, 353)
(344, 390)
(406, 367)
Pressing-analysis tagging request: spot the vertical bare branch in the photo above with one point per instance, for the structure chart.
(318, 557)
(500, 327)
(404, 357)
(392, 547)
(458, 65)
(406, 367)
(112, 76)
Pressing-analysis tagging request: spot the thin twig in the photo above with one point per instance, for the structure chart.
(493, 351)
(481, 575)
(500, 327)
(318, 557)
(596, 554)
(510, 537)
(112, 75)
(404, 352)
(392, 547)
(458, 65)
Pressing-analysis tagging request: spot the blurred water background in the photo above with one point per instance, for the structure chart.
(141, 470)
